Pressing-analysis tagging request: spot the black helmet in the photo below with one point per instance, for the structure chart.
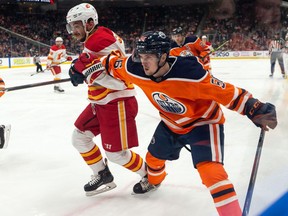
(154, 43)
(177, 30)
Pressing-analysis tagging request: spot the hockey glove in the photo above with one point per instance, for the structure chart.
(261, 114)
(204, 58)
(76, 77)
(86, 67)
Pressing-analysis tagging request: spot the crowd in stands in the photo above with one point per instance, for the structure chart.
(129, 23)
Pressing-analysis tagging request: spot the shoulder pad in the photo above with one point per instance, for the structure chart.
(188, 68)
(190, 39)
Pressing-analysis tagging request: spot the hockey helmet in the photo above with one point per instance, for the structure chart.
(82, 12)
(144, 35)
(59, 39)
(177, 30)
(154, 43)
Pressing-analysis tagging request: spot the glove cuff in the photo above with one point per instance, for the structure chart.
(251, 107)
(91, 73)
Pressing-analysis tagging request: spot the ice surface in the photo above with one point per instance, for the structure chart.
(41, 174)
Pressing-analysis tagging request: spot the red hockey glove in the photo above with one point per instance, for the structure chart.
(261, 114)
(88, 66)
(69, 58)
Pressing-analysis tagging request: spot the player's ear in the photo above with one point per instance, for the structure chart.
(163, 57)
(90, 24)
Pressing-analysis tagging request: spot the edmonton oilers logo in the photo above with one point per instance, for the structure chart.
(168, 104)
(186, 53)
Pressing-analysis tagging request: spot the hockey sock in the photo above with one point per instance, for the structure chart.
(155, 169)
(129, 160)
(215, 178)
(93, 159)
(136, 164)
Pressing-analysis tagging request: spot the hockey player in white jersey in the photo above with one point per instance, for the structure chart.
(57, 55)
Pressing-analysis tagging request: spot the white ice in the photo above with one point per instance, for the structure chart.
(41, 174)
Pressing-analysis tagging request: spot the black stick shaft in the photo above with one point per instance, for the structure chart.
(36, 85)
(253, 174)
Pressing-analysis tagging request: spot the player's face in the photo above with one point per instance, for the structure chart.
(59, 43)
(149, 63)
(78, 30)
(178, 38)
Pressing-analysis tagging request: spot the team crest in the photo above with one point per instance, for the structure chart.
(168, 104)
(186, 53)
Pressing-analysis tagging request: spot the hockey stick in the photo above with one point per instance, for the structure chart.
(34, 85)
(47, 68)
(253, 174)
(214, 50)
(38, 72)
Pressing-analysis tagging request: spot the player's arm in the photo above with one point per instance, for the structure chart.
(90, 69)
(50, 58)
(261, 114)
(66, 57)
(202, 49)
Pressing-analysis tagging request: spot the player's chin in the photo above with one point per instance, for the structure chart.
(79, 37)
(147, 71)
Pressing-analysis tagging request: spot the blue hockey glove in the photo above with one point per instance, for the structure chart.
(261, 114)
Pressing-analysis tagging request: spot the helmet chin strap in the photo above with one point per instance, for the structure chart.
(160, 78)
(159, 66)
(87, 33)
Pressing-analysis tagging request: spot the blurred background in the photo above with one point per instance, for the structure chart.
(28, 26)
